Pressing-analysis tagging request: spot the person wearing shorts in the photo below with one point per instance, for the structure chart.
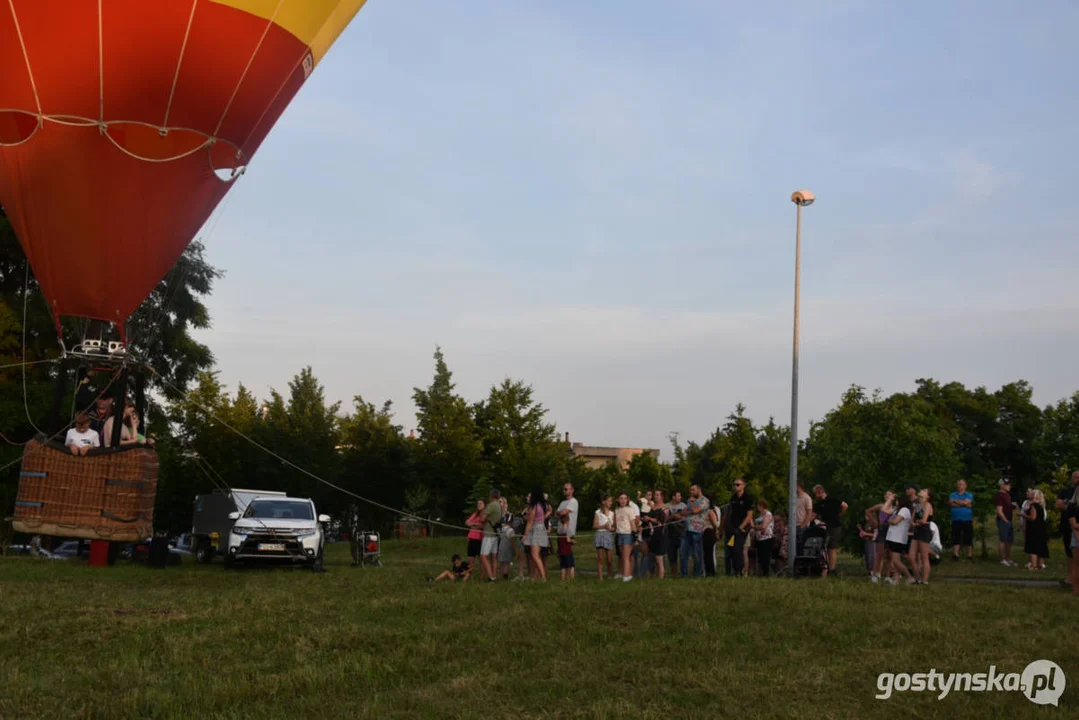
(603, 524)
(492, 520)
(897, 541)
(830, 510)
(657, 540)
(884, 514)
(566, 562)
(626, 525)
(460, 570)
(536, 532)
(962, 505)
(475, 532)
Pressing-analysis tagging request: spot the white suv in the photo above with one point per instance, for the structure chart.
(277, 528)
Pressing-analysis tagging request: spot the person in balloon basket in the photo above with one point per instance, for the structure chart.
(129, 432)
(100, 413)
(81, 438)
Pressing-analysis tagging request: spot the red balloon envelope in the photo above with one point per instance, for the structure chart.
(123, 122)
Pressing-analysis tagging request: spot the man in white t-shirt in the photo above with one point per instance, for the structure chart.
(567, 512)
(567, 530)
(81, 438)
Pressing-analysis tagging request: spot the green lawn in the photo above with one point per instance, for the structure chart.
(197, 641)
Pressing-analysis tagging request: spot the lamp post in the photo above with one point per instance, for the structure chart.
(801, 198)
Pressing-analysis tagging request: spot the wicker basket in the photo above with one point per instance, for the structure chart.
(105, 495)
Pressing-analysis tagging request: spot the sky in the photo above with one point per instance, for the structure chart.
(594, 197)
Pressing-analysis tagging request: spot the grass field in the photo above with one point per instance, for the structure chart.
(197, 641)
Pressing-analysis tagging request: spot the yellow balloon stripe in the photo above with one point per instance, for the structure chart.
(316, 23)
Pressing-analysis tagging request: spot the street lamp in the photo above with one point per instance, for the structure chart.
(801, 198)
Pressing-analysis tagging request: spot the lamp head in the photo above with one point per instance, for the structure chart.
(804, 198)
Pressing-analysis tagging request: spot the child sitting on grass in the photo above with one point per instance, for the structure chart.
(461, 570)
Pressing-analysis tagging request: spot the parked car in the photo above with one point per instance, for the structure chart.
(277, 529)
(211, 524)
(68, 549)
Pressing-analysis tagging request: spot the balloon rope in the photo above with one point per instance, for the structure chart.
(179, 62)
(250, 62)
(28, 364)
(100, 68)
(26, 57)
(273, 100)
(181, 156)
(25, 303)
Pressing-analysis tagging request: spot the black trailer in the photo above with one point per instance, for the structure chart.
(210, 523)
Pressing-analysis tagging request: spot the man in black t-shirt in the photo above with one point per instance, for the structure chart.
(830, 512)
(737, 524)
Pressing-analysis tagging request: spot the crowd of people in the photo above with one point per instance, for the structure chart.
(656, 535)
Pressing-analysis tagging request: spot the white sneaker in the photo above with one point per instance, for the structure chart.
(1004, 563)
(618, 576)
(874, 578)
(911, 581)
(889, 580)
(627, 579)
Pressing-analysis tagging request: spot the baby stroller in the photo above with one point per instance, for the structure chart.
(812, 554)
(368, 551)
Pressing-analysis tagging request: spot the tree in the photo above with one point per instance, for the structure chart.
(728, 454)
(206, 451)
(450, 451)
(159, 331)
(521, 449)
(305, 431)
(1057, 446)
(645, 472)
(378, 464)
(870, 444)
(770, 473)
(597, 482)
(1018, 428)
(684, 466)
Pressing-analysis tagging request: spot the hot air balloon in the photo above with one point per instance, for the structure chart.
(123, 124)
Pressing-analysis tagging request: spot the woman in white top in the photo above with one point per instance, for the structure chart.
(603, 524)
(626, 525)
(896, 541)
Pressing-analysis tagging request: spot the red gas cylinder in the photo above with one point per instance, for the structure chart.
(99, 553)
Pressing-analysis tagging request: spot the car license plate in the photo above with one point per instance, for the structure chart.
(271, 547)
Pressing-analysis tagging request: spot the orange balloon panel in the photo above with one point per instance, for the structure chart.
(114, 116)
